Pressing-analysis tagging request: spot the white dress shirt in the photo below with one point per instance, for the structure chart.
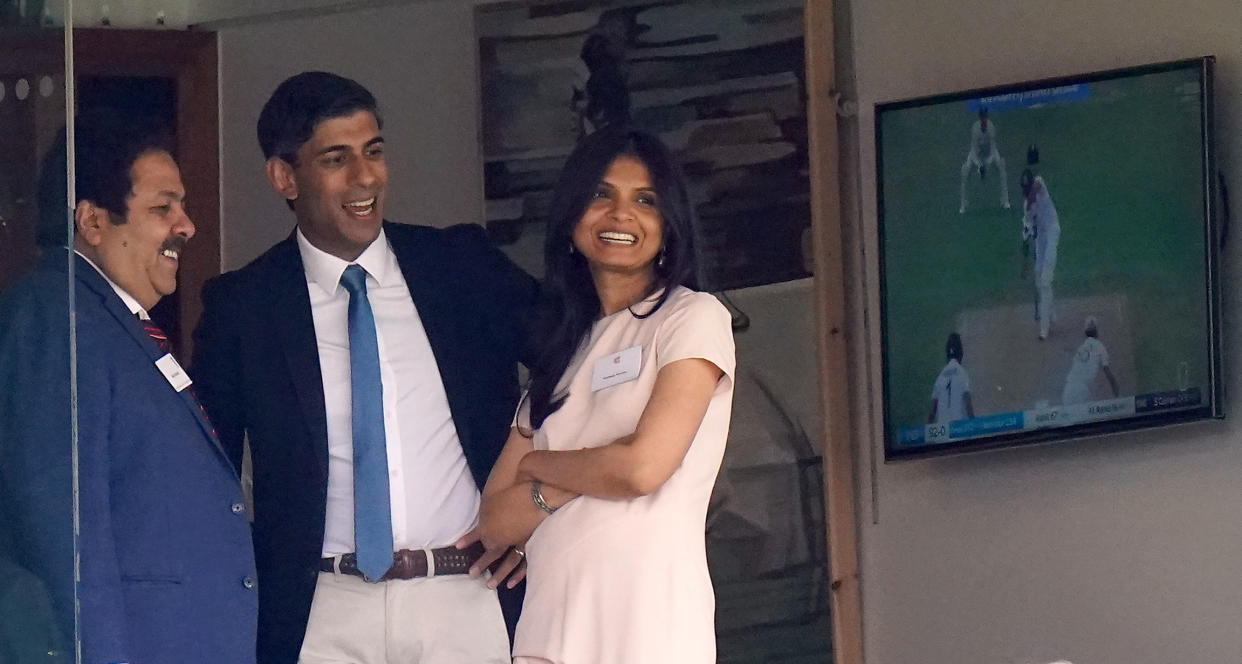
(433, 495)
(130, 302)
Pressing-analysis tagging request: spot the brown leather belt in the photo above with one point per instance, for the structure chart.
(412, 564)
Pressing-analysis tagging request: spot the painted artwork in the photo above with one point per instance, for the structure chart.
(720, 82)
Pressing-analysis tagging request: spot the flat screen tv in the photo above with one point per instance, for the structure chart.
(1048, 259)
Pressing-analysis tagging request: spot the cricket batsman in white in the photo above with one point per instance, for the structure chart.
(1041, 227)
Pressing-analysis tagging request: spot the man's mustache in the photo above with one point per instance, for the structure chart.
(174, 242)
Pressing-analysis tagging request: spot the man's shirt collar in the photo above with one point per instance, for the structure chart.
(129, 300)
(325, 270)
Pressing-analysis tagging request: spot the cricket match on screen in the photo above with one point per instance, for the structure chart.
(1046, 257)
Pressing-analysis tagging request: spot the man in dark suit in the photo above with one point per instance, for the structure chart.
(372, 367)
(166, 564)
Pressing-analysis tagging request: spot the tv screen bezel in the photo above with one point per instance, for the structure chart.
(1211, 409)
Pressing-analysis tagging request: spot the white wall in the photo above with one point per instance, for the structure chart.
(1119, 550)
(418, 60)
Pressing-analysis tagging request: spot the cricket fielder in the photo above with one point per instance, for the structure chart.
(1089, 360)
(951, 392)
(981, 152)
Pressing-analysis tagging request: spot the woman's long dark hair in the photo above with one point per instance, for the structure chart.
(570, 304)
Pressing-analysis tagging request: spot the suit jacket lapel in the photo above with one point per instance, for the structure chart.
(293, 324)
(88, 277)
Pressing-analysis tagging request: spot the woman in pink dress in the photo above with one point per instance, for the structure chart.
(602, 488)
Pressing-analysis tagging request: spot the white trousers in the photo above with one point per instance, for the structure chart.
(1075, 392)
(441, 620)
(1045, 267)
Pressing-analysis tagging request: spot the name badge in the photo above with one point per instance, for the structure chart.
(619, 367)
(176, 376)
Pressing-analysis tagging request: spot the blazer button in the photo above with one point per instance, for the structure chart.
(238, 508)
(248, 582)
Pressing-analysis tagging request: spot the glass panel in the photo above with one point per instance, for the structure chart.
(766, 543)
(37, 433)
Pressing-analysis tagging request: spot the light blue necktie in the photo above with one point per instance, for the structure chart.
(372, 511)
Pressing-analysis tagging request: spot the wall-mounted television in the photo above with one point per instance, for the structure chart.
(1048, 259)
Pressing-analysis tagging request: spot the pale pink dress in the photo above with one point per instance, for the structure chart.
(625, 581)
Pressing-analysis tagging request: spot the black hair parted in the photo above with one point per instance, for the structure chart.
(106, 143)
(301, 102)
(570, 304)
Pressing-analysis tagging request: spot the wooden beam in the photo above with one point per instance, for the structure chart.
(838, 441)
(199, 151)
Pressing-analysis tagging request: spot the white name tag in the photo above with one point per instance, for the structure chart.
(619, 367)
(177, 377)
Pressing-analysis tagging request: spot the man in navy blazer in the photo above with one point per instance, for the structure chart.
(166, 564)
(274, 366)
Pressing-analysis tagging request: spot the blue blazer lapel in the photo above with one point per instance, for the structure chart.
(89, 278)
(290, 319)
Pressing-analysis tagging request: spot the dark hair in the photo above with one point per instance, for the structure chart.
(1090, 327)
(570, 305)
(300, 103)
(953, 347)
(106, 143)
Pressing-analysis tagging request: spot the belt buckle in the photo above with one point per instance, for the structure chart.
(431, 562)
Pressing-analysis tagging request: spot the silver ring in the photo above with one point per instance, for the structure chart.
(521, 553)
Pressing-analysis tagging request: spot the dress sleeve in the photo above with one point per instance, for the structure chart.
(699, 328)
(521, 418)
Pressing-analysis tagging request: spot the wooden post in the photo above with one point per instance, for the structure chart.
(830, 315)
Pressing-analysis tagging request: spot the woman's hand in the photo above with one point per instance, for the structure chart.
(511, 570)
(505, 561)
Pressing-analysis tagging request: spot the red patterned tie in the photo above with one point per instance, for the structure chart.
(157, 335)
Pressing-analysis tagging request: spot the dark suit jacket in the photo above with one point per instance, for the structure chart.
(165, 553)
(256, 363)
